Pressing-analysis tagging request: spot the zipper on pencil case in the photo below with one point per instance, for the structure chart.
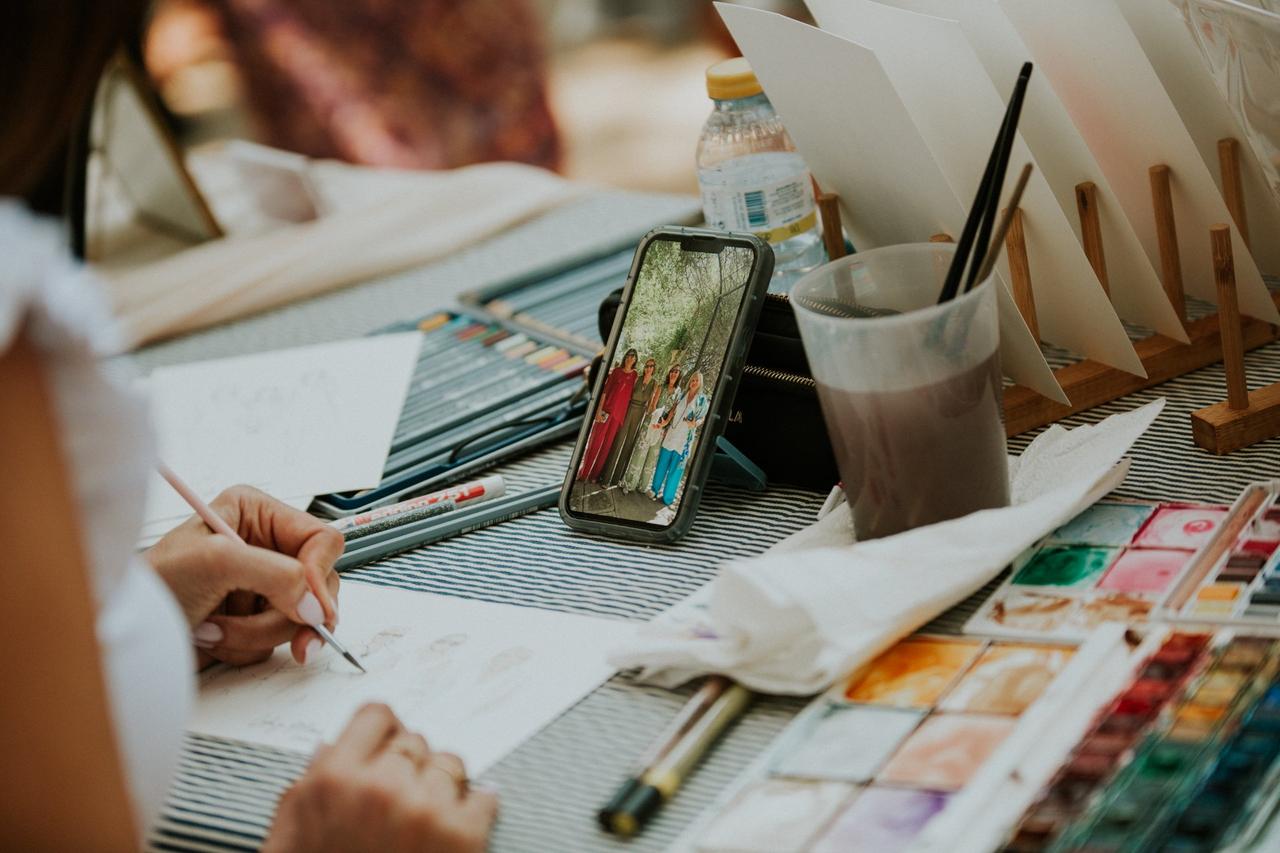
(780, 376)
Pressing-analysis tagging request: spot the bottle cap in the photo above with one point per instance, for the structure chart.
(732, 78)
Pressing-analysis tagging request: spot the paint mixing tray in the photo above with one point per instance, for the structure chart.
(1114, 562)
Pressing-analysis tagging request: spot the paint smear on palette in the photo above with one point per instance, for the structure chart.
(1144, 570)
(1032, 611)
(1268, 527)
(846, 742)
(774, 816)
(1117, 607)
(912, 674)
(881, 820)
(1065, 566)
(1185, 527)
(1007, 679)
(946, 751)
(1104, 524)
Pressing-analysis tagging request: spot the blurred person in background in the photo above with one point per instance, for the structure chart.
(428, 84)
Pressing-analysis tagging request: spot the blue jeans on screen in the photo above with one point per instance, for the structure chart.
(666, 477)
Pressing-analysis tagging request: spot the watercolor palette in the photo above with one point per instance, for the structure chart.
(1184, 758)
(868, 765)
(1112, 563)
(1236, 576)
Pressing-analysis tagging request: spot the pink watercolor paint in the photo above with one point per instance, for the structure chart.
(1261, 547)
(1144, 570)
(1180, 526)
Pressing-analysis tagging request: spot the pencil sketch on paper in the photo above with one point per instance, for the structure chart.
(477, 679)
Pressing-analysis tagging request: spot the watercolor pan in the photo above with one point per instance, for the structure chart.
(1235, 577)
(847, 742)
(1114, 561)
(891, 745)
(775, 816)
(1177, 760)
(881, 820)
(913, 673)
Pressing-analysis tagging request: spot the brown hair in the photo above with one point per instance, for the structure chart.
(51, 55)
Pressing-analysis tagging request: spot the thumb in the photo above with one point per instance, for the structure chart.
(279, 578)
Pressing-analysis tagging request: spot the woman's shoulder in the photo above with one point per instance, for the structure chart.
(42, 283)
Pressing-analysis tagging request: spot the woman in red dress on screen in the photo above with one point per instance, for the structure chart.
(614, 398)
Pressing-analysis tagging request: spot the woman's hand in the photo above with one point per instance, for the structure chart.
(380, 787)
(244, 600)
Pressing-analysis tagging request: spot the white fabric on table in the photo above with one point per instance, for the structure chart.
(146, 652)
(378, 221)
(817, 605)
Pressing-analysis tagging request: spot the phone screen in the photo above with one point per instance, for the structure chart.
(648, 420)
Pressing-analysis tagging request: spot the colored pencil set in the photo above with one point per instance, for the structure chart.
(480, 393)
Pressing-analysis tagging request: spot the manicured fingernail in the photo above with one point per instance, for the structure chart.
(486, 788)
(207, 635)
(309, 609)
(313, 648)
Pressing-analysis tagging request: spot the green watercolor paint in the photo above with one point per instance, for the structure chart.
(1071, 565)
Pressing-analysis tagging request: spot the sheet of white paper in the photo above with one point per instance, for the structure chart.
(476, 679)
(302, 421)
(1063, 157)
(1098, 68)
(1163, 34)
(859, 140)
(929, 61)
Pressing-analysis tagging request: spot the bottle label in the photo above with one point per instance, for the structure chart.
(767, 194)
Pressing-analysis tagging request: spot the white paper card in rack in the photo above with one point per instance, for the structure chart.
(1098, 68)
(949, 95)
(1062, 155)
(858, 139)
(1162, 32)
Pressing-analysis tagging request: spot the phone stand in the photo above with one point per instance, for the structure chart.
(730, 467)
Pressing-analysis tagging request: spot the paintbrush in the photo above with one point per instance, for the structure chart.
(993, 249)
(983, 209)
(219, 525)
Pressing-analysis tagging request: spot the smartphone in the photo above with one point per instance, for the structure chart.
(666, 383)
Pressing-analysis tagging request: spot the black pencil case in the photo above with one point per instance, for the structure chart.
(776, 420)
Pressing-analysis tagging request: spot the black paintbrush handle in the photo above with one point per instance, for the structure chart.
(1008, 133)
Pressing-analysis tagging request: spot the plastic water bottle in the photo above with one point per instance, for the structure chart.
(751, 176)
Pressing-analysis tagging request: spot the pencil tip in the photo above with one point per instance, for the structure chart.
(356, 664)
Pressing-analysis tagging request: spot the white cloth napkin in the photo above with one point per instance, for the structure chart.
(816, 606)
(379, 221)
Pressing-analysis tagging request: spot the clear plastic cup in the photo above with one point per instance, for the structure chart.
(910, 390)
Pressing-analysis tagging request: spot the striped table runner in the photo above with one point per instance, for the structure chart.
(224, 794)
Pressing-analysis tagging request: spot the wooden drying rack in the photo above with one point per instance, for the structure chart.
(1246, 417)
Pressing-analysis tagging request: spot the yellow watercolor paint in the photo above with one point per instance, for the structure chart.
(914, 673)
(1219, 592)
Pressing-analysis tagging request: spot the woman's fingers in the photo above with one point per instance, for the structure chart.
(279, 578)
(264, 630)
(266, 522)
(367, 733)
(445, 776)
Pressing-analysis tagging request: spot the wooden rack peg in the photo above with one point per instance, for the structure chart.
(1233, 184)
(1091, 230)
(1167, 235)
(1245, 417)
(1089, 383)
(1015, 246)
(832, 228)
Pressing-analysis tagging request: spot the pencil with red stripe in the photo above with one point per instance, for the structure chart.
(486, 488)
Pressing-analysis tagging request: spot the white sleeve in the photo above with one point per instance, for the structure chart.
(106, 442)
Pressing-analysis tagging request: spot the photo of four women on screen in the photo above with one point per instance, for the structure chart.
(643, 432)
